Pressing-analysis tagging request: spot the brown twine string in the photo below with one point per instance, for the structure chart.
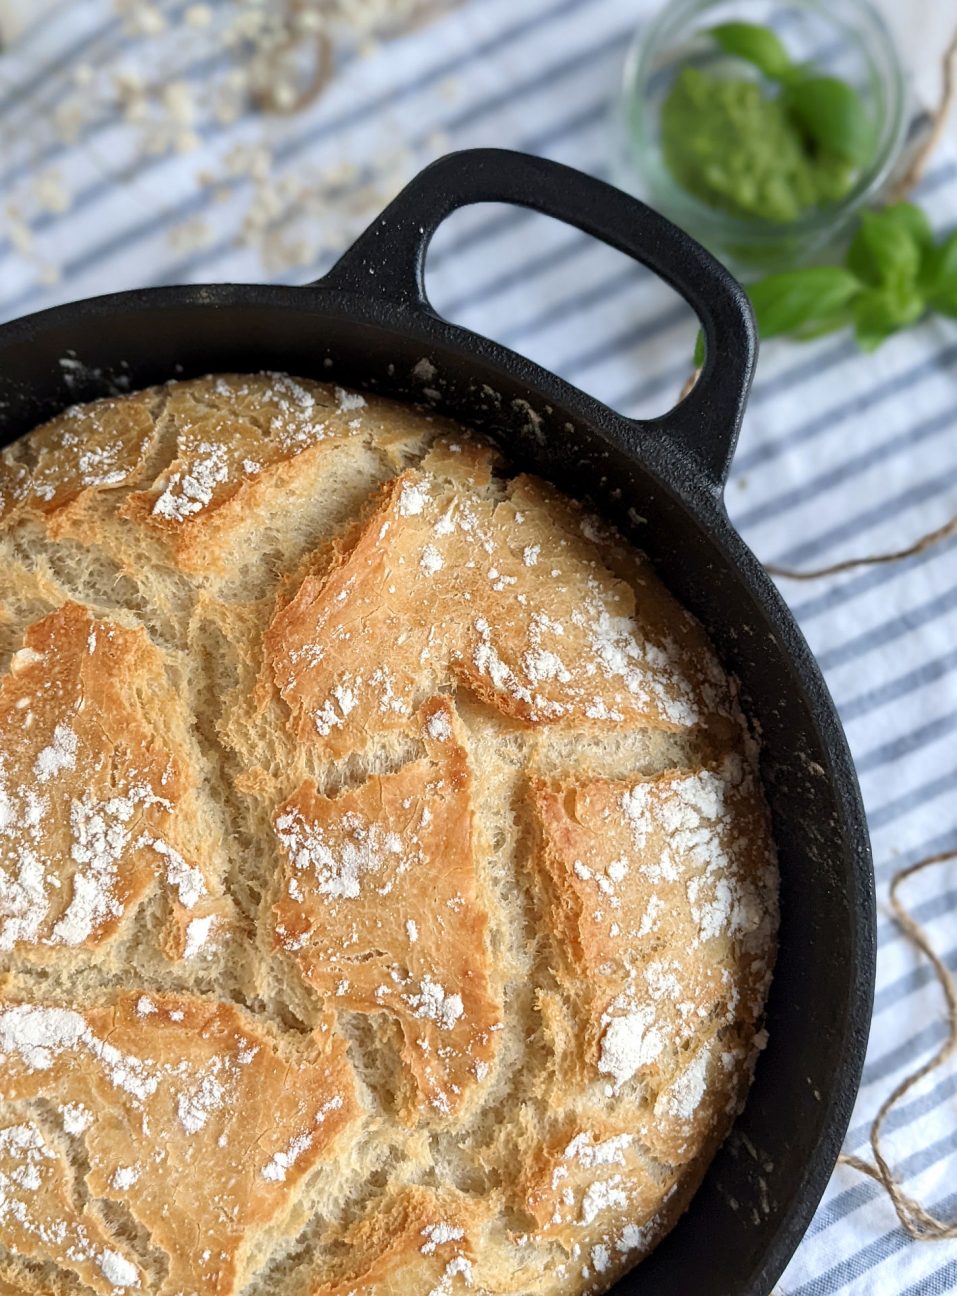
(918, 1222)
(849, 564)
(323, 66)
(267, 100)
(689, 384)
(324, 61)
(937, 121)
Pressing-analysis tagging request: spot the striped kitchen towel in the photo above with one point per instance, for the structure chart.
(127, 157)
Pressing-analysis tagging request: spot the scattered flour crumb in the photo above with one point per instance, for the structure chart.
(431, 560)
(412, 499)
(77, 1119)
(275, 1170)
(438, 1235)
(347, 400)
(435, 1004)
(439, 727)
(629, 1042)
(198, 931)
(59, 756)
(681, 1099)
(186, 880)
(116, 1269)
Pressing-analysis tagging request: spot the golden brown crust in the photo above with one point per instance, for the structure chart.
(445, 583)
(417, 1241)
(241, 441)
(386, 893)
(586, 1169)
(43, 1219)
(85, 450)
(95, 798)
(233, 437)
(191, 1117)
(382, 911)
(660, 897)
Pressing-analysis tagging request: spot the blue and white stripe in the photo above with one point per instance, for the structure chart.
(840, 454)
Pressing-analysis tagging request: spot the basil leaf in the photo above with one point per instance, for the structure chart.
(755, 44)
(699, 349)
(911, 218)
(879, 312)
(940, 276)
(886, 249)
(797, 299)
(832, 114)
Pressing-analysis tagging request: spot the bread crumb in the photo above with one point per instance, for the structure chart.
(524, 653)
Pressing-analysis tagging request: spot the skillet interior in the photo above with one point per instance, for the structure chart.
(763, 1186)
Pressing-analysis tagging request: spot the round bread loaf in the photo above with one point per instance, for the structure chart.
(387, 899)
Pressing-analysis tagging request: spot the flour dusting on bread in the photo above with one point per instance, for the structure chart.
(387, 896)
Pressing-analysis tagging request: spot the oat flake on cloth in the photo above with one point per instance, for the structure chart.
(127, 158)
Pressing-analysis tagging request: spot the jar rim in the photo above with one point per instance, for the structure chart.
(863, 22)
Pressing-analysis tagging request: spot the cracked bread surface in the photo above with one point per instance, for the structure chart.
(387, 896)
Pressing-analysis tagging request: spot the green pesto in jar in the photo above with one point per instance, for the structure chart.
(737, 148)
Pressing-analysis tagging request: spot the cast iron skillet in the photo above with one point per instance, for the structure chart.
(368, 323)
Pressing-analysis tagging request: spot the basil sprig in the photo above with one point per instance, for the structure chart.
(829, 111)
(894, 274)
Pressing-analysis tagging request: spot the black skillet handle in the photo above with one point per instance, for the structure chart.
(389, 260)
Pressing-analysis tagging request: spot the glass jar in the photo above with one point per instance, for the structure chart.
(841, 38)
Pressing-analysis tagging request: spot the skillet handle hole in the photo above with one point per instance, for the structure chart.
(566, 301)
